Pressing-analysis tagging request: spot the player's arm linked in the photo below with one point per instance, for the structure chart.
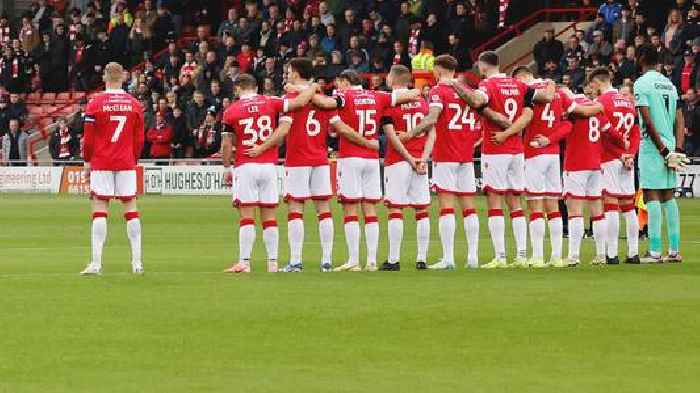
(472, 98)
(426, 123)
(227, 153)
(276, 139)
(390, 132)
(354, 137)
(518, 126)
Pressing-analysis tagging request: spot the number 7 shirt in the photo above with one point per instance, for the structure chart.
(254, 118)
(114, 133)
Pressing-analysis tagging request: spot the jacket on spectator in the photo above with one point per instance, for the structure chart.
(548, 50)
(63, 144)
(160, 137)
(611, 12)
(22, 143)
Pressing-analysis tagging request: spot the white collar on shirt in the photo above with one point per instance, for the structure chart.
(114, 91)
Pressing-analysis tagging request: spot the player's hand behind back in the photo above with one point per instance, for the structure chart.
(228, 177)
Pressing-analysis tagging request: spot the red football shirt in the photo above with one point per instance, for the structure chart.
(114, 133)
(621, 113)
(546, 120)
(583, 144)
(405, 117)
(507, 97)
(254, 118)
(458, 127)
(361, 110)
(306, 141)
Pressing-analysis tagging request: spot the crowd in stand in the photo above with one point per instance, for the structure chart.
(185, 86)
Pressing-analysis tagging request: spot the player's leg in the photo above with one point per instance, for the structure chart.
(125, 190)
(397, 183)
(494, 174)
(100, 207)
(133, 232)
(444, 176)
(371, 182)
(326, 232)
(611, 207)
(517, 218)
(556, 231)
(600, 233)
(350, 193)
(270, 235)
(576, 228)
(466, 186)
(321, 193)
(102, 186)
(631, 229)
(652, 198)
(673, 226)
(537, 230)
(246, 239)
(516, 184)
(298, 190)
(419, 197)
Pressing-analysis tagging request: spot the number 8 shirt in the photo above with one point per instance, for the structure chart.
(253, 118)
(359, 176)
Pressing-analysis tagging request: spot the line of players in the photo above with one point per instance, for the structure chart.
(518, 122)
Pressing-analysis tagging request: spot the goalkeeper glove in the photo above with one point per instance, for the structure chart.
(677, 161)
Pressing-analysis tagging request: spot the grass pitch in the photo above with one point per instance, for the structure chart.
(185, 327)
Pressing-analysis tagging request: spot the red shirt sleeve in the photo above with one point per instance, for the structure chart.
(634, 139)
(89, 130)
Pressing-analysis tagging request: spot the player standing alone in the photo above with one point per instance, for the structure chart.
(660, 153)
(618, 167)
(114, 138)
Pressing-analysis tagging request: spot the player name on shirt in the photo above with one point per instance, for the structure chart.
(117, 107)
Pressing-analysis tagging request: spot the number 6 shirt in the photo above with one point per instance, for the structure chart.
(254, 118)
(306, 141)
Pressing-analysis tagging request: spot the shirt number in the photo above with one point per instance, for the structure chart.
(412, 120)
(121, 122)
(368, 122)
(264, 130)
(511, 108)
(459, 119)
(313, 126)
(548, 115)
(593, 129)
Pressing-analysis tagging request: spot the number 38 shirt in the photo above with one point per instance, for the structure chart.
(508, 97)
(457, 127)
(113, 131)
(306, 141)
(254, 118)
(361, 110)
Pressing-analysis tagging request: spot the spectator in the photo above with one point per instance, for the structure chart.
(196, 111)
(623, 28)
(673, 32)
(400, 56)
(139, 41)
(15, 144)
(163, 28)
(349, 28)
(640, 25)
(576, 73)
(28, 34)
(160, 136)
(665, 55)
(598, 25)
(80, 65)
(43, 58)
(552, 71)
(182, 143)
(459, 52)
(549, 48)
(4, 115)
(59, 49)
(691, 112)
(227, 27)
(42, 14)
(600, 48)
(692, 26)
(208, 135)
(329, 43)
(424, 60)
(686, 73)
(17, 109)
(628, 68)
(63, 145)
(148, 15)
(403, 23)
(324, 14)
(611, 11)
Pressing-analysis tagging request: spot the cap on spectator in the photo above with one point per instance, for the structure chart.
(688, 52)
(597, 32)
(211, 110)
(696, 42)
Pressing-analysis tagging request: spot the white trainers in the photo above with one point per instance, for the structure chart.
(348, 267)
(137, 268)
(598, 261)
(442, 265)
(371, 267)
(521, 263)
(92, 270)
(496, 263)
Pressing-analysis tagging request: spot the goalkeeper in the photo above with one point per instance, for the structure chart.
(660, 154)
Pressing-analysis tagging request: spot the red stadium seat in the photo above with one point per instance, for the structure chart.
(33, 98)
(63, 98)
(48, 98)
(78, 95)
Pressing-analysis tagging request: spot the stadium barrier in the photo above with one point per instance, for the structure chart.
(199, 177)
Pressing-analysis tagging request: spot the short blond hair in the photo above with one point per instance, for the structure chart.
(114, 73)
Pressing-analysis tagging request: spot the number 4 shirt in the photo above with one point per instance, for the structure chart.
(254, 118)
(114, 132)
